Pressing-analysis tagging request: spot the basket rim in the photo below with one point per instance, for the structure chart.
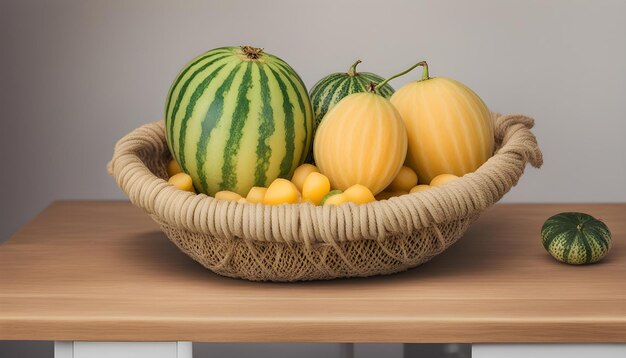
(306, 223)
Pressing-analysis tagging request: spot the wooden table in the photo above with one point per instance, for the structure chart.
(103, 272)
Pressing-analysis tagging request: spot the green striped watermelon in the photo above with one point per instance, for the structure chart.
(237, 117)
(576, 238)
(334, 87)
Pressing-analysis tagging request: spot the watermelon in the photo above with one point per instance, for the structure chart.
(238, 117)
(576, 238)
(334, 87)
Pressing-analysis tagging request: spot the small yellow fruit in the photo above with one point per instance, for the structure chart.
(256, 194)
(359, 194)
(301, 173)
(330, 193)
(281, 191)
(442, 179)
(404, 181)
(173, 168)
(227, 195)
(384, 195)
(316, 186)
(182, 181)
(418, 188)
(336, 199)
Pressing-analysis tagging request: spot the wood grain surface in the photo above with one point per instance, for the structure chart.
(102, 271)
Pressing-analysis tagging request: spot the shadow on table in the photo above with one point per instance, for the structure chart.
(470, 255)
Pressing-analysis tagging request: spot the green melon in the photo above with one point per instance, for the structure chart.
(576, 238)
(237, 117)
(334, 87)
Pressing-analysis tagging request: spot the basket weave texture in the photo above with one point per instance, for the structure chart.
(293, 242)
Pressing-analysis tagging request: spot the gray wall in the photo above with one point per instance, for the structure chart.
(77, 75)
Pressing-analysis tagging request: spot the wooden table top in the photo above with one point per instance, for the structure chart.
(103, 271)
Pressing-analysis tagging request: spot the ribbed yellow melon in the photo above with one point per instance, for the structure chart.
(449, 127)
(362, 140)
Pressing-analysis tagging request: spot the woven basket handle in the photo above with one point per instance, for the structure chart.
(514, 131)
(516, 146)
(128, 166)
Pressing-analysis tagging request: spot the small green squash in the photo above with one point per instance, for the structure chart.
(576, 238)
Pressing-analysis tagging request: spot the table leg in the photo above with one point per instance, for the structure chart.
(450, 350)
(549, 350)
(346, 350)
(80, 349)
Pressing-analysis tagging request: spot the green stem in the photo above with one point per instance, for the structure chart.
(424, 74)
(352, 70)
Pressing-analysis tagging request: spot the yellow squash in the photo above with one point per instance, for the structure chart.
(362, 140)
(449, 127)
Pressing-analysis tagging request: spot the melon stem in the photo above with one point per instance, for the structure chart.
(252, 53)
(352, 69)
(424, 74)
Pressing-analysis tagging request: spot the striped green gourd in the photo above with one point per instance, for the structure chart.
(334, 87)
(576, 238)
(237, 117)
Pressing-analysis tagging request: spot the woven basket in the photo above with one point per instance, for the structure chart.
(294, 242)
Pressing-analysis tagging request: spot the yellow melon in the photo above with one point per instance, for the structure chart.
(362, 140)
(442, 179)
(449, 127)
